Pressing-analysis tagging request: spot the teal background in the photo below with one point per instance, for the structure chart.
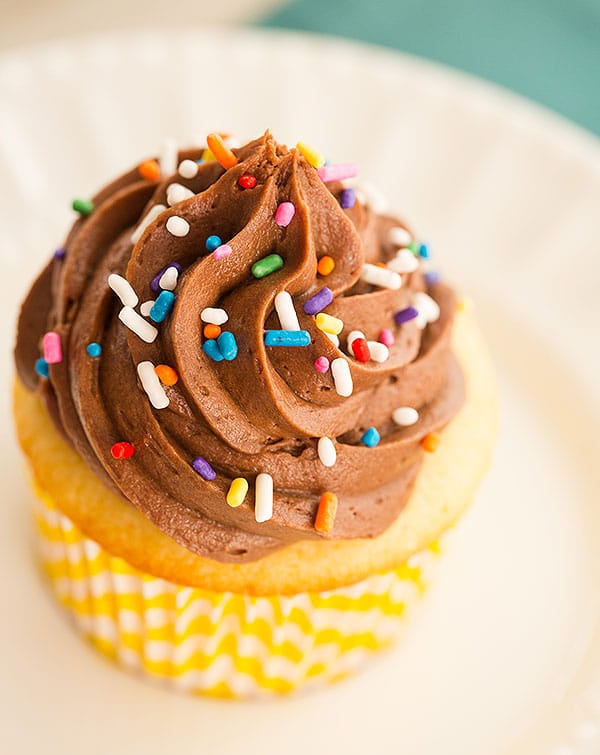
(548, 50)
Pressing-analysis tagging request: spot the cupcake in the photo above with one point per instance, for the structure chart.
(250, 411)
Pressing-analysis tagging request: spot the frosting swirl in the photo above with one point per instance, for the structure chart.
(265, 411)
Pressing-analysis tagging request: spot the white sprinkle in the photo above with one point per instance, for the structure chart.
(375, 198)
(151, 384)
(177, 193)
(379, 351)
(399, 236)
(333, 338)
(232, 142)
(214, 316)
(380, 276)
(352, 336)
(188, 169)
(151, 215)
(178, 226)
(340, 369)
(263, 497)
(168, 280)
(284, 305)
(405, 416)
(146, 307)
(327, 452)
(123, 290)
(168, 157)
(428, 308)
(136, 323)
(404, 262)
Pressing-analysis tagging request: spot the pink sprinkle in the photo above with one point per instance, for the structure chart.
(284, 214)
(52, 348)
(321, 364)
(386, 337)
(222, 251)
(337, 172)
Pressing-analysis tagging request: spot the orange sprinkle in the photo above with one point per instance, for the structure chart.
(430, 442)
(150, 170)
(380, 264)
(166, 374)
(325, 518)
(212, 331)
(326, 265)
(222, 153)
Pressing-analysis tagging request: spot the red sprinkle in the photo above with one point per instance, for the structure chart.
(361, 349)
(122, 450)
(246, 181)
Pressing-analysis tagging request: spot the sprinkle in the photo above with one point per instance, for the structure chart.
(168, 280)
(425, 251)
(146, 307)
(465, 304)
(284, 214)
(222, 251)
(207, 156)
(347, 199)
(246, 181)
(379, 351)
(223, 154)
(405, 315)
(149, 170)
(325, 265)
(326, 512)
(380, 276)
(399, 236)
(211, 331)
(122, 450)
(267, 265)
(327, 452)
(136, 323)
(212, 243)
(337, 172)
(371, 437)
(386, 337)
(321, 364)
(263, 497)
(227, 345)
(123, 290)
(151, 385)
(214, 315)
(284, 306)
(162, 306)
(318, 301)
(85, 207)
(52, 347)
(360, 349)
(93, 349)
(287, 338)
(177, 226)
(168, 157)
(413, 247)
(404, 262)
(188, 169)
(60, 254)
(333, 338)
(166, 374)
(315, 158)
(177, 193)
(203, 468)
(432, 277)
(352, 336)
(41, 367)
(430, 442)
(211, 349)
(328, 323)
(428, 309)
(405, 416)
(237, 492)
(342, 378)
(150, 216)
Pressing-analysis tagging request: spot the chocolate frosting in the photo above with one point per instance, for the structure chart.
(266, 410)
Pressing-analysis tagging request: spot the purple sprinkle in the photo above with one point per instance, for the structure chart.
(432, 277)
(156, 280)
(318, 302)
(347, 198)
(404, 315)
(203, 468)
(59, 254)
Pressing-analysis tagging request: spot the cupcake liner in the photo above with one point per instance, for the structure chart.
(222, 643)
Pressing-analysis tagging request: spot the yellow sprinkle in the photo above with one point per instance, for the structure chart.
(329, 324)
(208, 156)
(315, 158)
(237, 492)
(465, 304)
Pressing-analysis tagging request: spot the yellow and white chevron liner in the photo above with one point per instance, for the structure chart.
(222, 644)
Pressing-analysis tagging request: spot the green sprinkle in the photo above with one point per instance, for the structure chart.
(414, 247)
(267, 265)
(84, 207)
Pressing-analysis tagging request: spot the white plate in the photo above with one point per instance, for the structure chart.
(504, 656)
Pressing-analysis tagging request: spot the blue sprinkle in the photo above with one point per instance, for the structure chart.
(432, 277)
(203, 468)
(371, 437)
(318, 302)
(404, 315)
(199, 162)
(227, 345)
(162, 306)
(94, 349)
(287, 338)
(347, 198)
(212, 242)
(41, 367)
(425, 251)
(211, 348)
(59, 254)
